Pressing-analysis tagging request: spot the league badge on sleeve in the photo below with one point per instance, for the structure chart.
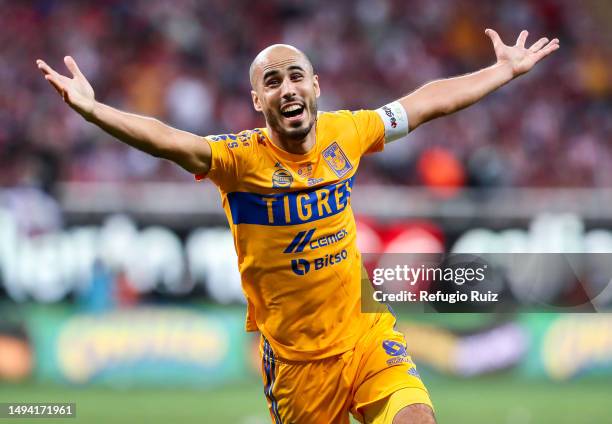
(337, 160)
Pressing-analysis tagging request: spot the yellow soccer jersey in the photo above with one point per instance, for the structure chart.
(295, 233)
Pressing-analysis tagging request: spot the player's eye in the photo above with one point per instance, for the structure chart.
(296, 76)
(272, 82)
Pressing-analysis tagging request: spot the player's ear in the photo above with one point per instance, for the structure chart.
(315, 83)
(256, 102)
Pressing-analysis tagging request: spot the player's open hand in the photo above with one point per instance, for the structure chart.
(75, 91)
(518, 57)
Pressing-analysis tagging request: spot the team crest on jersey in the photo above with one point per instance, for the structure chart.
(337, 160)
(281, 178)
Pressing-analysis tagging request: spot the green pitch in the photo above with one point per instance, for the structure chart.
(491, 400)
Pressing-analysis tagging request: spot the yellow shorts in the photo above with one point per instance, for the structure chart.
(325, 391)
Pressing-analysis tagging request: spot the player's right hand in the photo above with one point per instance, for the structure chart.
(75, 91)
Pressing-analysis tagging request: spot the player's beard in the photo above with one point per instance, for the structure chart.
(297, 134)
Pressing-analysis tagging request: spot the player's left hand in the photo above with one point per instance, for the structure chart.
(519, 58)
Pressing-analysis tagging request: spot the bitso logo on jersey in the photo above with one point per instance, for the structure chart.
(281, 178)
(337, 160)
(300, 266)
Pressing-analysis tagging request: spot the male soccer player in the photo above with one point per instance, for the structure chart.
(286, 192)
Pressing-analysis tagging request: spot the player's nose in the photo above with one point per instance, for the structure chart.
(287, 89)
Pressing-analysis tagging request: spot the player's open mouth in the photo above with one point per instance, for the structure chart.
(293, 111)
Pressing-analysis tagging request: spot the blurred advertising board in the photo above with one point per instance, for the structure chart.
(166, 346)
(15, 357)
(118, 261)
(540, 346)
(184, 346)
(569, 346)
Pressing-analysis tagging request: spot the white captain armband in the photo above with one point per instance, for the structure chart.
(395, 120)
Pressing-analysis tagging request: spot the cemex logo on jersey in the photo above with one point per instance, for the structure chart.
(391, 116)
(337, 160)
(303, 239)
(299, 242)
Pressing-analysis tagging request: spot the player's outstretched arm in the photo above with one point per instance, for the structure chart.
(443, 97)
(147, 134)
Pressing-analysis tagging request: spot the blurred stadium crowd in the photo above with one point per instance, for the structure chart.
(186, 62)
